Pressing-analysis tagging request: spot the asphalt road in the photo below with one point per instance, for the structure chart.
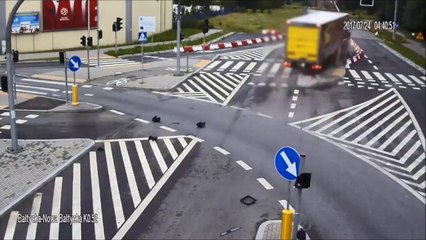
(354, 194)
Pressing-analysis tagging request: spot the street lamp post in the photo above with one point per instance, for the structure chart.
(13, 131)
(394, 21)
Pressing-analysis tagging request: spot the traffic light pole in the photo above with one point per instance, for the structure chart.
(394, 21)
(13, 131)
(115, 40)
(66, 77)
(88, 36)
(97, 29)
(178, 41)
(296, 218)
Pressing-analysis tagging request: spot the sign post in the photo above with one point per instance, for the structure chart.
(142, 38)
(287, 164)
(66, 77)
(74, 65)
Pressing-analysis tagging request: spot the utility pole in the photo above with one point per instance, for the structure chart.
(394, 21)
(88, 35)
(13, 131)
(178, 40)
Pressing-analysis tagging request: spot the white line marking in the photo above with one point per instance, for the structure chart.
(293, 105)
(219, 81)
(182, 142)
(235, 90)
(171, 149)
(221, 150)
(31, 92)
(391, 77)
(225, 65)
(369, 61)
(243, 165)
(227, 80)
(117, 112)
(108, 88)
(115, 191)
(401, 144)
(212, 65)
(387, 129)
(89, 94)
(366, 75)
(209, 88)
(56, 208)
(375, 67)
(35, 211)
(96, 196)
(416, 162)
(43, 81)
(223, 91)
(21, 121)
(202, 90)
(284, 204)
(11, 225)
(86, 86)
(410, 152)
(294, 98)
(395, 135)
(158, 156)
(296, 91)
(143, 205)
(250, 67)
(265, 183)
(405, 79)
(367, 121)
(354, 73)
(274, 69)
(133, 186)
(5, 114)
(379, 76)
(416, 79)
(264, 115)
(378, 124)
(31, 116)
(39, 88)
(76, 200)
(421, 185)
(188, 88)
(291, 114)
(141, 120)
(145, 165)
(168, 129)
(423, 77)
(262, 67)
(238, 108)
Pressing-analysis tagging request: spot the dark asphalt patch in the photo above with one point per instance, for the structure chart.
(40, 103)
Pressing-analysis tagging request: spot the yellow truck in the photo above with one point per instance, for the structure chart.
(316, 40)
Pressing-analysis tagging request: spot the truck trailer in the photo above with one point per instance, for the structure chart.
(316, 40)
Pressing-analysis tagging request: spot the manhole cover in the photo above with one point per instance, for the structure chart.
(248, 200)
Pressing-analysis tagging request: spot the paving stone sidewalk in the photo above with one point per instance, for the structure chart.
(24, 172)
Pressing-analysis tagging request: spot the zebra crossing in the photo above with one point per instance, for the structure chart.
(48, 87)
(382, 131)
(110, 62)
(101, 195)
(267, 69)
(381, 81)
(249, 55)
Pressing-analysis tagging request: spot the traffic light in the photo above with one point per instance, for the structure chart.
(83, 41)
(182, 36)
(303, 181)
(89, 41)
(99, 34)
(119, 23)
(62, 57)
(114, 29)
(206, 26)
(366, 3)
(4, 83)
(15, 56)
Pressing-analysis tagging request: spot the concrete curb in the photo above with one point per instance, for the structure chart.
(261, 230)
(95, 108)
(52, 174)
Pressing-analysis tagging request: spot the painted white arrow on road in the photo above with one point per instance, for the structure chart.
(291, 167)
(74, 63)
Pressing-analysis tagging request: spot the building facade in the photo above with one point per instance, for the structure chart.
(51, 25)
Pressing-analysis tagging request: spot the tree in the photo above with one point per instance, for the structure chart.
(414, 15)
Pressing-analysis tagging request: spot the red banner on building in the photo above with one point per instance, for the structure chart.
(68, 14)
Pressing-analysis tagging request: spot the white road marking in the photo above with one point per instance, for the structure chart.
(284, 204)
(416, 163)
(31, 92)
(237, 66)
(244, 165)
(221, 150)
(235, 90)
(262, 67)
(402, 143)
(274, 69)
(35, 211)
(38, 88)
(387, 129)
(391, 77)
(43, 81)
(21, 121)
(370, 119)
(238, 108)
(293, 105)
(202, 90)
(265, 183)
(369, 61)
(418, 81)
(264, 115)
(76, 200)
(250, 67)
(354, 73)
(272, 84)
(375, 67)
(188, 88)
(89, 94)
(225, 65)
(212, 65)
(117, 112)
(56, 208)
(170, 148)
(291, 114)
(108, 88)
(141, 120)
(86, 86)
(115, 192)
(158, 156)
(145, 165)
(223, 91)
(296, 91)
(31, 116)
(182, 142)
(423, 77)
(395, 135)
(96, 196)
(5, 114)
(378, 124)
(294, 98)
(416, 88)
(227, 80)
(134, 191)
(366, 75)
(209, 88)
(11, 225)
(405, 79)
(410, 152)
(168, 129)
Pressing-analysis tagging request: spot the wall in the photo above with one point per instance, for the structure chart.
(108, 11)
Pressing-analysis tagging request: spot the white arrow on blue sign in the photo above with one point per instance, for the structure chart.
(142, 37)
(287, 163)
(74, 63)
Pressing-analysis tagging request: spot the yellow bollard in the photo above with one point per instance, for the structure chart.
(74, 95)
(286, 224)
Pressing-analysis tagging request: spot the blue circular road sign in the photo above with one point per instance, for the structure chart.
(287, 163)
(74, 63)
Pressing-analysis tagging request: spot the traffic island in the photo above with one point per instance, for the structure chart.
(272, 230)
(24, 172)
